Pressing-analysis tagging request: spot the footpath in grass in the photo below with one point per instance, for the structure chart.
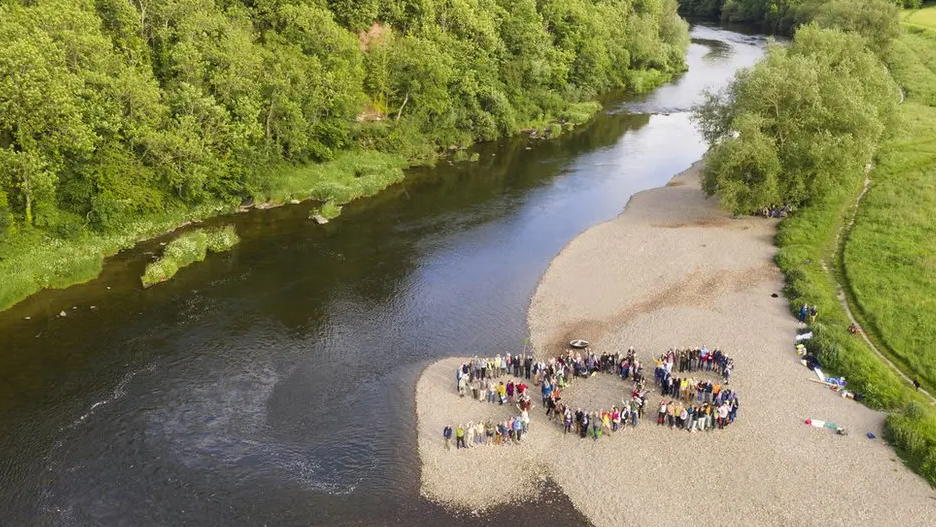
(890, 258)
(887, 264)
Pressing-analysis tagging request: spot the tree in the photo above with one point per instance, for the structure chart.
(799, 123)
(878, 21)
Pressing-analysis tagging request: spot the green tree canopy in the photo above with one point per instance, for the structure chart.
(797, 124)
(112, 108)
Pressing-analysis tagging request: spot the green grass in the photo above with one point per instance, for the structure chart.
(39, 261)
(187, 249)
(806, 240)
(330, 210)
(887, 265)
(890, 258)
(924, 18)
(350, 176)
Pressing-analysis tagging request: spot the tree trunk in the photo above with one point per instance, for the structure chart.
(400, 111)
(29, 217)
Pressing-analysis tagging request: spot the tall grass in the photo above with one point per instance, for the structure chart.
(187, 249)
(39, 261)
(806, 240)
(890, 259)
(350, 176)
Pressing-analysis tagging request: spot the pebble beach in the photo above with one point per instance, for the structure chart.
(674, 270)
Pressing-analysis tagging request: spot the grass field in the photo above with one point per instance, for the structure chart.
(922, 18)
(890, 258)
(887, 263)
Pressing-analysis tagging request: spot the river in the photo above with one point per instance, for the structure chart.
(273, 385)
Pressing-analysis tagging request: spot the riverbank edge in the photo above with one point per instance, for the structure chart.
(53, 263)
(804, 241)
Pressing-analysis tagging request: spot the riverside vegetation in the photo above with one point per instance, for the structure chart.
(798, 129)
(187, 249)
(120, 120)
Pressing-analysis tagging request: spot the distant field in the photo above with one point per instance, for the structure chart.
(921, 17)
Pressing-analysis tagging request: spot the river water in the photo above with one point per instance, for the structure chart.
(274, 385)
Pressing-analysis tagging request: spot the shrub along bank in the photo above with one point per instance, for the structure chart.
(806, 144)
(187, 249)
(120, 120)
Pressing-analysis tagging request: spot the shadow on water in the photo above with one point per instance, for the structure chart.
(274, 384)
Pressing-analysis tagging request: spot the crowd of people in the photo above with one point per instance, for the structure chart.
(688, 403)
(509, 431)
(701, 416)
(694, 359)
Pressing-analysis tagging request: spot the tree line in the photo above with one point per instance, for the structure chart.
(804, 121)
(777, 16)
(116, 108)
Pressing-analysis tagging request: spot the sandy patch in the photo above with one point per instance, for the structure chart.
(675, 270)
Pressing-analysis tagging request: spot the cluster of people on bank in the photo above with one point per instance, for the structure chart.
(509, 431)
(694, 359)
(688, 403)
(496, 367)
(702, 417)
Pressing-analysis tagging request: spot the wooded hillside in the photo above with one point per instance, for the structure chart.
(111, 109)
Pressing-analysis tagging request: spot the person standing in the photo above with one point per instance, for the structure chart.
(802, 313)
(447, 434)
(469, 434)
(460, 437)
(813, 313)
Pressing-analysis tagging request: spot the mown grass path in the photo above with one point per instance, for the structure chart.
(843, 290)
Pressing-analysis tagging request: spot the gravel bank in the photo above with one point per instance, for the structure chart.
(675, 270)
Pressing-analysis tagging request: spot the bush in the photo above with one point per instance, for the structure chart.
(913, 431)
(222, 239)
(187, 249)
(330, 210)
